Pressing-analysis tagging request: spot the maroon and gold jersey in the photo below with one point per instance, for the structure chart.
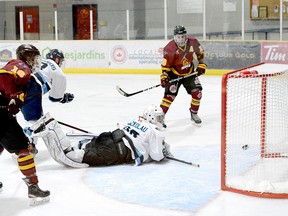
(14, 77)
(179, 60)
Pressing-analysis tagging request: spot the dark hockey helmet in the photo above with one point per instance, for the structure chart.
(180, 35)
(54, 54)
(29, 54)
(179, 30)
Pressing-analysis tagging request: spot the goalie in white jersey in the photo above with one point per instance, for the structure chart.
(140, 140)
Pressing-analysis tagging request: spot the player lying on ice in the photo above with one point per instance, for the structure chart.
(140, 140)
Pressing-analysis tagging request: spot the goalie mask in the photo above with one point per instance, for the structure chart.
(180, 35)
(154, 115)
(31, 55)
(57, 56)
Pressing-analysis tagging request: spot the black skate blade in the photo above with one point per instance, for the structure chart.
(39, 200)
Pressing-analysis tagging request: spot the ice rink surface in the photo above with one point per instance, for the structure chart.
(166, 188)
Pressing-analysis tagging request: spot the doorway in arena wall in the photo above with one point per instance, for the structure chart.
(81, 21)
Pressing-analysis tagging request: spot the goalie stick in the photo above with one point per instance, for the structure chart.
(182, 161)
(73, 134)
(71, 126)
(122, 92)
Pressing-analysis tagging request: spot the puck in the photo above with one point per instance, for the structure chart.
(1, 185)
(245, 147)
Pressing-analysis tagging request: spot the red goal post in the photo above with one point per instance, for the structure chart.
(254, 131)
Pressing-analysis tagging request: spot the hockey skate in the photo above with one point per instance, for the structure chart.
(195, 118)
(36, 195)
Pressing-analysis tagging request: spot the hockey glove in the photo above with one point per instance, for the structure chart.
(166, 150)
(16, 102)
(164, 79)
(201, 69)
(68, 97)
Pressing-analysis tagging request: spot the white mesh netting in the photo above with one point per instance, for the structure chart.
(256, 135)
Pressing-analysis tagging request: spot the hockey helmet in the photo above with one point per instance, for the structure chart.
(180, 35)
(54, 54)
(29, 54)
(154, 115)
(179, 29)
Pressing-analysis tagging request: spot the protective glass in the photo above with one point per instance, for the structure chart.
(180, 39)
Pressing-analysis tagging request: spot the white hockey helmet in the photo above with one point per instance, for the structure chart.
(154, 115)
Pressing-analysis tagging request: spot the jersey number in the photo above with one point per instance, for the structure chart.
(131, 131)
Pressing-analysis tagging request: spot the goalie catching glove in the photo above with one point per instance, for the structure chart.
(16, 102)
(201, 69)
(68, 97)
(164, 79)
(166, 150)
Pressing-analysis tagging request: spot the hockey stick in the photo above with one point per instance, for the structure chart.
(182, 161)
(71, 126)
(122, 92)
(72, 134)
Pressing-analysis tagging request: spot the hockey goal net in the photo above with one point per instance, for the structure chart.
(254, 134)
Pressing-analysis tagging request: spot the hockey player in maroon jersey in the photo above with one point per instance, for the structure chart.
(14, 77)
(178, 62)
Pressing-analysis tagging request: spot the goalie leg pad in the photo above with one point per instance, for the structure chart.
(57, 143)
(54, 145)
(40, 126)
(76, 155)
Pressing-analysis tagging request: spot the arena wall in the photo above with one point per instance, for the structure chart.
(145, 56)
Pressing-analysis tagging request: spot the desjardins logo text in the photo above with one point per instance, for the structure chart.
(84, 55)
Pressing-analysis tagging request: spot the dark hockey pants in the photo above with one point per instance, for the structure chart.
(107, 149)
